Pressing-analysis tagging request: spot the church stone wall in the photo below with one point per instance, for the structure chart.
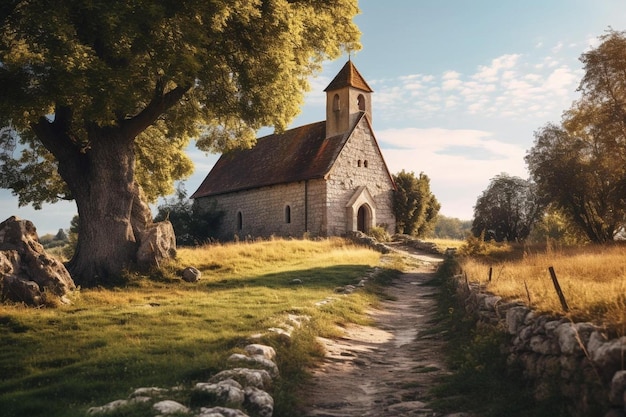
(263, 211)
(359, 164)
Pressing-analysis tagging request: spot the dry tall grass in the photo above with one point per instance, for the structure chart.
(593, 280)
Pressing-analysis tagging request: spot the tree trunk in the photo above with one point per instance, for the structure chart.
(103, 187)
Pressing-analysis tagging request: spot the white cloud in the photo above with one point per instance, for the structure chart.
(459, 162)
(510, 86)
(560, 81)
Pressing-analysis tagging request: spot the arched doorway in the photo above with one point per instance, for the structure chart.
(364, 218)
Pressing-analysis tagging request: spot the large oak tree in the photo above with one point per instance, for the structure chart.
(580, 165)
(104, 95)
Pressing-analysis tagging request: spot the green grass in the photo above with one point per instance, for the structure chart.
(161, 331)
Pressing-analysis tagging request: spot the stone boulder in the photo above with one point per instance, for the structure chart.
(227, 392)
(258, 402)
(157, 243)
(191, 274)
(259, 378)
(221, 412)
(27, 272)
(254, 361)
(166, 407)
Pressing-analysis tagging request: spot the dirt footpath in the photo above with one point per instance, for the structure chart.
(386, 370)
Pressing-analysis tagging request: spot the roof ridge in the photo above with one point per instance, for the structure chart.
(349, 76)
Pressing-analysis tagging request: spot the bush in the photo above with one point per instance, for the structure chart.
(379, 233)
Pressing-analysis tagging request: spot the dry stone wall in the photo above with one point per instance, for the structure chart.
(579, 361)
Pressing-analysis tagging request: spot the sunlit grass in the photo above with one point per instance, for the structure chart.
(593, 280)
(443, 244)
(162, 331)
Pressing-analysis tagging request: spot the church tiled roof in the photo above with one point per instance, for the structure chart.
(349, 76)
(297, 154)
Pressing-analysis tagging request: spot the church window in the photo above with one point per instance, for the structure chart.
(239, 221)
(287, 214)
(360, 100)
(336, 103)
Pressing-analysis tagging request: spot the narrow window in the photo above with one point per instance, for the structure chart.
(287, 214)
(239, 221)
(358, 163)
(365, 163)
(360, 100)
(336, 103)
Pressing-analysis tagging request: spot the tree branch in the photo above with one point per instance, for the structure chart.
(160, 103)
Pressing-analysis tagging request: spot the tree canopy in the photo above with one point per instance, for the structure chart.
(506, 210)
(104, 96)
(415, 206)
(580, 165)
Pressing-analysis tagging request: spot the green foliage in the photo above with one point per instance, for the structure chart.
(580, 165)
(555, 226)
(506, 210)
(50, 241)
(451, 228)
(473, 246)
(72, 238)
(192, 226)
(415, 206)
(379, 233)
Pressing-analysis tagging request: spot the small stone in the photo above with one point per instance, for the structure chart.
(618, 388)
(256, 361)
(259, 378)
(259, 402)
(226, 392)
(220, 412)
(256, 349)
(108, 408)
(191, 274)
(169, 407)
(148, 392)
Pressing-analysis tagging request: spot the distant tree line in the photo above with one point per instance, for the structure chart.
(577, 168)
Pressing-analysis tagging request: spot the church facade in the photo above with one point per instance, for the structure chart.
(323, 179)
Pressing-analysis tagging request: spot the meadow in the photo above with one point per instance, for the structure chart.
(158, 330)
(592, 279)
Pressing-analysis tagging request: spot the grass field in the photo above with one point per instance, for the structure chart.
(161, 331)
(592, 278)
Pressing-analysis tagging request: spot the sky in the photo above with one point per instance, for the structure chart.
(460, 87)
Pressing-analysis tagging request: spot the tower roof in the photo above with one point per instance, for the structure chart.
(349, 76)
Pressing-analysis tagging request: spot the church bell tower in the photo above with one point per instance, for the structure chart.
(347, 97)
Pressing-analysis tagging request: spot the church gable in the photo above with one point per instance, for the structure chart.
(361, 159)
(360, 171)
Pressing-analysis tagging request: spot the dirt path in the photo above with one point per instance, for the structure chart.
(389, 369)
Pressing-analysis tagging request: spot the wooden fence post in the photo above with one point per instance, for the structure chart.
(558, 289)
(530, 303)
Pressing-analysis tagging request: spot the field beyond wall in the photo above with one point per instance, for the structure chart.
(592, 279)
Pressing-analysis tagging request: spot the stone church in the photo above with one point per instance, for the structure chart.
(322, 179)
